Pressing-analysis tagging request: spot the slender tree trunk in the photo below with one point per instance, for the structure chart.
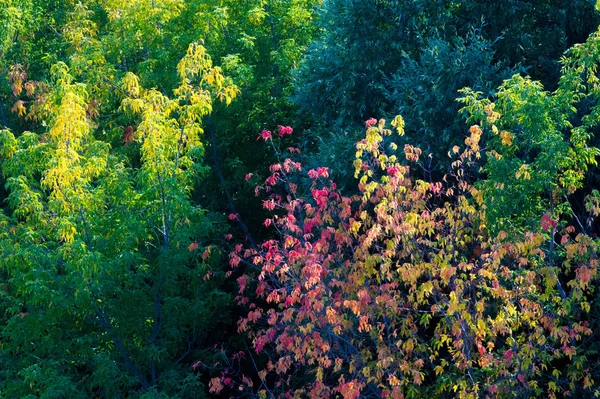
(2, 116)
(129, 365)
(276, 91)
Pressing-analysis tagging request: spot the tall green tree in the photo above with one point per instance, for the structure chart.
(104, 291)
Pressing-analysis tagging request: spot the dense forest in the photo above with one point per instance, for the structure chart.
(299, 199)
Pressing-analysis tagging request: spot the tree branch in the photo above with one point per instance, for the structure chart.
(2, 116)
(132, 368)
(213, 143)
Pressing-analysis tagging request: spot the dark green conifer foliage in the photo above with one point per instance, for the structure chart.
(410, 58)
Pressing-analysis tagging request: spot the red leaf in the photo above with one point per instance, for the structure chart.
(128, 134)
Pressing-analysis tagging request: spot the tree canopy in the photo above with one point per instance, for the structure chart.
(299, 198)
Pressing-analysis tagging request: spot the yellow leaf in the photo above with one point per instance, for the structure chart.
(398, 123)
(507, 138)
(523, 172)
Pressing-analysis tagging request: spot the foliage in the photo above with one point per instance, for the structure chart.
(537, 143)
(260, 45)
(423, 89)
(102, 160)
(389, 57)
(399, 291)
(540, 35)
(128, 131)
(365, 42)
(341, 77)
(95, 251)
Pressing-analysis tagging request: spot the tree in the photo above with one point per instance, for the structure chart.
(95, 249)
(424, 89)
(128, 131)
(389, 57)
(400, 291)
(538, 144)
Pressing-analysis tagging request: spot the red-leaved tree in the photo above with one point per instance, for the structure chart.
(398, 291)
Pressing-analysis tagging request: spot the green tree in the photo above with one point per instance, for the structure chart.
(389, 57)
(538, 143)
(103, 286)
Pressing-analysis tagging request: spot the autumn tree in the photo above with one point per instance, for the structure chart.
(400, 290)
